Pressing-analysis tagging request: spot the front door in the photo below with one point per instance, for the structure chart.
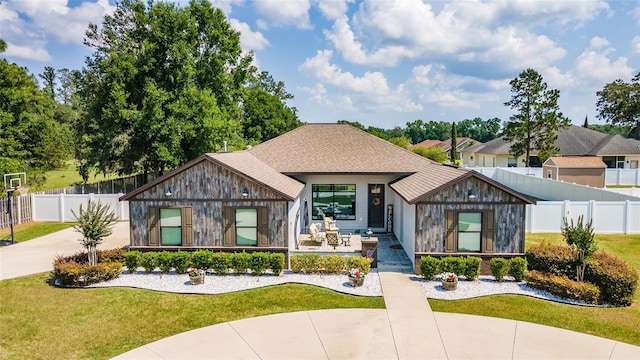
(376, 206)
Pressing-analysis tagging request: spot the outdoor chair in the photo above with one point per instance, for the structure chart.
(330, 225)
(315, 234)
(333, 238)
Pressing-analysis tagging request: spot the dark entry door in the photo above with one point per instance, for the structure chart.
(376, 206)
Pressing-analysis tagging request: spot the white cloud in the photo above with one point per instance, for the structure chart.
(333, 9)
(25, 52)
(225, 5)
(249, 40)
(636, 14)
(598, 42)
(282, 13)
(598, 69)
(635, 44)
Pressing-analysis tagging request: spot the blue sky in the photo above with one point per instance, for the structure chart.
(385, 63)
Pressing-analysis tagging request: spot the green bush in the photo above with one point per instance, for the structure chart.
(240, 262)
(259, 263)
(132, 261)
(333, 264)
(276, 263)
(518, 268)
(165, 261)
(360, 263)
(71, 273)
(310, 263)
(180, 261)
(220, 263)
(429, 267)
(452, 264)
(563, 286)
(149, 261)
(555, 259)
(201, 259)
(499, 268)
(297, 264)
(112, 255)
(617, 280)
(472, 267)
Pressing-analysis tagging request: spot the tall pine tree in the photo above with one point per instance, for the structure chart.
(453, 152)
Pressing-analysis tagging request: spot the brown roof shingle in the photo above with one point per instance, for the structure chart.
(576, 162)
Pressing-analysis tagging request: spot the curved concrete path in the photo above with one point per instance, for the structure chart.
(406, 329)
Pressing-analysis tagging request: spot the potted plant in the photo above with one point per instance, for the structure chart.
(196, 276)
(449, 281)
(356, 277)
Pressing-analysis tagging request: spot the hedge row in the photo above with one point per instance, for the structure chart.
(564, 287)
(220, 263)
(616, 280)
(331, 264)
(469, 266)
(75, 270)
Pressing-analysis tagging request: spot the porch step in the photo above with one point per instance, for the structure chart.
(404, 269)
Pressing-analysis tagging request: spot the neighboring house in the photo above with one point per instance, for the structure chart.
(446, 144)
(584, 170)
(264, 198)
(614, 150)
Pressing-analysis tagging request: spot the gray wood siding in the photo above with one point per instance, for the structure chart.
(509, 214)
(207, 188)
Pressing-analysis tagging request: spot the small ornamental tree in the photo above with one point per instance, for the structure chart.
(95, 223)
(581, 238)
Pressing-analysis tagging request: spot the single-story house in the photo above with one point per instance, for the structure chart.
(263, 198)
(584, 170)
(614, 150)
(461, 143)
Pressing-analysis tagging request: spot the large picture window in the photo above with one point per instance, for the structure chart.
(334, 200)
(246, 227)
(170, 226)
(469, 231)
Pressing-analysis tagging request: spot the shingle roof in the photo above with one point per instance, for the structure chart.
(445, 144)
(336, 148)
(575, 140)
(428, 143)
(575, 162)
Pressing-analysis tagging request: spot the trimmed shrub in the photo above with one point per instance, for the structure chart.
(472, 267)
(429, 267)
(165, 261)
(333, 264)
(259, 263)
(452, 264)
(180, 261)
(617, 280)
(360, 263)
(499, 268)
(555, 259)
(518, 268)
(276, 263)
(563, 286)
(240, 262)
(132, 261)
(149, 261)
(112, 255)
(71, 273)
(201, 259)
(220, 263)
(310, 263)
(296, 263)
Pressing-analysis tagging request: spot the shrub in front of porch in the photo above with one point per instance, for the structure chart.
(331, 264)
(468, 266)
(76, 271)
(564, 287)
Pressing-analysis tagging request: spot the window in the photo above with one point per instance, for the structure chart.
(469, 231)
(337, 201)
(512, 162)
(170, 226)
(246, 227)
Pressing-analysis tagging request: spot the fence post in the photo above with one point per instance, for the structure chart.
(61, 206)
(19, 209)
(627, 217)
(33, 207)
(566, 207)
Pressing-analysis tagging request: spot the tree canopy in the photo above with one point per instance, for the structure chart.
(619, 103)
(535, 125)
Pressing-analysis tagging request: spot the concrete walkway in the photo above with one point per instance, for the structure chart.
(406, 329)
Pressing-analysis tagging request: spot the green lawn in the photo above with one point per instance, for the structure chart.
(68, 176)
(621, 324)
(32, 230)
(38, 321)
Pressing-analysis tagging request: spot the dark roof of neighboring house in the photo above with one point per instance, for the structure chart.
(575, 162)
(575, 140)
(334, 149)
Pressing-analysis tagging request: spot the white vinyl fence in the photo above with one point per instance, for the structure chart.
(624, 177)
(57, 207)
(609, 217)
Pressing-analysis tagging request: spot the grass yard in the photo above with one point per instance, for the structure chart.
(621, 324)
(32, 230)
(38, 321)
(68, 176)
